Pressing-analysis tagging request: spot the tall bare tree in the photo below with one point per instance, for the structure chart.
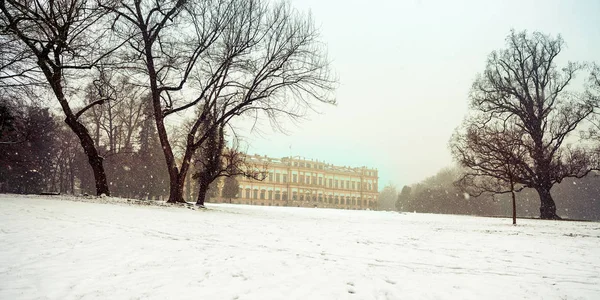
(522, 90)
(64, 38)
(226, 58)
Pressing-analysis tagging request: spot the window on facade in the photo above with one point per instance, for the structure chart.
(294, 196)
(330, 199)
(320, 197)
(320, 180)
(255, 196)
(295, 164)
(247, 193)
(335, 184)
(302, 164)
(301, 178)
(370, 186)
(277, 195)
(262, 194)
(358, 183)
(330, 180)
(353, 185)
(294, 178)
(314, 180)
(277, 175)
(270, 195)
(308, 165)
(284, 196)
(347, 184)
(285, 178)
(337, 200)
(271, 176)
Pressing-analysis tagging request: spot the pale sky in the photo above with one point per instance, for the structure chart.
(405, 69)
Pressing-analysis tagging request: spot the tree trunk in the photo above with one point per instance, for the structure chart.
(175, 182)
(94, 157)
(514, 202)
(72, 177)
(54, 77)
(547, 205)
(175, 188)
(202, 190)
(514, 207)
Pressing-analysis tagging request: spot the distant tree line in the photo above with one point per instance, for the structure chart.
(579, 198)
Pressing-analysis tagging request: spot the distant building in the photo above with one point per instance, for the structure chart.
(306, 183)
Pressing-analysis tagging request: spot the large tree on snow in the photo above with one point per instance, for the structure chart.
(522, 91)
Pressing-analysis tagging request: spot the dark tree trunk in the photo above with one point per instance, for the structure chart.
(86, 141)
(514, 208)
(175, 188)
(71, 177)
(514, 201)
(93, 156)
(547, 205)
(175, 180)
(202, 190)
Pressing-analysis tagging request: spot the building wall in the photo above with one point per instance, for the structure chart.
(306, 183)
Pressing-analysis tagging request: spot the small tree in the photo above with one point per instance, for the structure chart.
(388, 197)
(403, 198)
(231, 188)
(523, 89)
(494, 159)
(216, 161)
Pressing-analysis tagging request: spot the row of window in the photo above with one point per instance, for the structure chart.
(320, 167)
(277, 195)
(331, 183)
(277, 204)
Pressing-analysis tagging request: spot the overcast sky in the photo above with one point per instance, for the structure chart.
(405, 69)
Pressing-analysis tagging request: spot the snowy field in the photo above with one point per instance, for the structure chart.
(58, 249)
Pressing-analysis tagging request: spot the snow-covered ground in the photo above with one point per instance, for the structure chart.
(59, 249)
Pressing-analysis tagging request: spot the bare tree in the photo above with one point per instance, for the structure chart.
(494, 157)
(523, 93)
(62, 39)
(234, 57)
